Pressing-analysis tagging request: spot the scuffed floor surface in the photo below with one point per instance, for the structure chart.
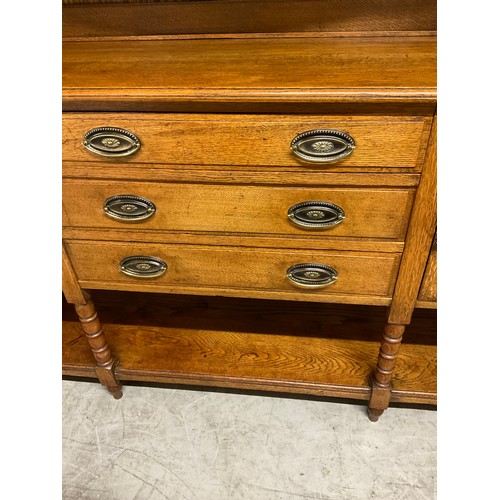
(158, 443)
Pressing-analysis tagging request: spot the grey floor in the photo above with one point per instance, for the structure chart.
(158, 443)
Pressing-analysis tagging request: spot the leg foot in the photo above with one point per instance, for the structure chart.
(107, 378)
(106, 363)
(381, 381)
(373, 414)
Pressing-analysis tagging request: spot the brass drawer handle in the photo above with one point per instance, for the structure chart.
(141, 266)
(316, 214)
(111, 141)
(128, 208)
(322, 146)
(311, 275)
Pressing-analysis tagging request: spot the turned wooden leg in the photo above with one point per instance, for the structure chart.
(381, 380)
(106, 363)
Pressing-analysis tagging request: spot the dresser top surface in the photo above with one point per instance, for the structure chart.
(256, 68)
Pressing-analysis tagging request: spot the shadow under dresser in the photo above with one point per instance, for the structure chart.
(249, 191)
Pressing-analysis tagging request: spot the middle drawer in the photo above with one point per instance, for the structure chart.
(380, 213)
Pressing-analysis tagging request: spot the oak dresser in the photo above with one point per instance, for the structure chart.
(249, 191)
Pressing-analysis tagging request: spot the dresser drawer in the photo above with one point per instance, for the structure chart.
(347, 212)
(242, 140)
(212, 270)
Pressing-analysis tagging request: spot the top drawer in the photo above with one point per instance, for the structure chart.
(251, 140)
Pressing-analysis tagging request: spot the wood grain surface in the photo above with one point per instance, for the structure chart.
(351, 69)
(260, 72)
(386, 364)
(242, 175)
(244, 240)
(421, 231)
(372, 213)
(83, 18)
(215, 270)
(106, 361)
(232, 140)
(262, 345)
(428, 289)
(70, 287)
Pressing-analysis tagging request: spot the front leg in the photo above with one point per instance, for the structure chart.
(106, 363)
(381, 381)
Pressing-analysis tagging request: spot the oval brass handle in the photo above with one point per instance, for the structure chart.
(128, 208)
(111, 141)
(311, 275)
(316, 214)
(142, 266)
(322, 146)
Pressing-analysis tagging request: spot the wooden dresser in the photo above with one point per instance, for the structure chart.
(249, 192)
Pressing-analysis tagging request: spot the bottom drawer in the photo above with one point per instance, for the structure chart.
(245, 272)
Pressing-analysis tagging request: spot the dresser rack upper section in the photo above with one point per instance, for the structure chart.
(279, 56)
(153, 18)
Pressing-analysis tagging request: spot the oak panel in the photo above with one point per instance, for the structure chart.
(330, 69)
(70, 286)
(182, 139)
(291, 176)
(318, 242)
(428, 289)
(372, 213)
(239, 269)
(419, 238)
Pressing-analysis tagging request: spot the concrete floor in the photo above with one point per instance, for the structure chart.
(158, 443)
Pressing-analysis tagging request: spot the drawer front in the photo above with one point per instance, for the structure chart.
(198, 268)
(241, 140)
(366, 212)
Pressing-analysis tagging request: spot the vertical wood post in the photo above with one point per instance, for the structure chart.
(381, 381)
(419, 239)
(106, 362)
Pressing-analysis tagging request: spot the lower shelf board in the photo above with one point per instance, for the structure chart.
(306, 348)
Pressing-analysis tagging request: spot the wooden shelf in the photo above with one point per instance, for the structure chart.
(194, 74)
(310, 348)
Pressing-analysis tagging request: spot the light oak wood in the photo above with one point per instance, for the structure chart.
(418, 242)
(221, 268)
(386, 363)
(106, 362)
(91, 326)
(317, 242)
(216, 90)
(236, 174)
(84, 18)
(428, 289)
(304, 348)
(99, 75)
(260, 141)
(421, 231)
(70, 286)
(193, 208)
